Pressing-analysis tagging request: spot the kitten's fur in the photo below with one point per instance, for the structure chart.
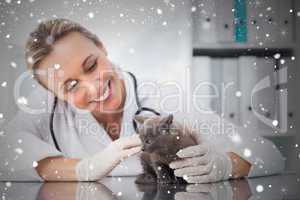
(162, 138)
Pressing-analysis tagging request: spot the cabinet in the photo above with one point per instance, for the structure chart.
(269, 24)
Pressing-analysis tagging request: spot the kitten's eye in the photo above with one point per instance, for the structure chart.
(147, 141)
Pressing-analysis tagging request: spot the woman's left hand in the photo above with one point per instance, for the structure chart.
(202, 164)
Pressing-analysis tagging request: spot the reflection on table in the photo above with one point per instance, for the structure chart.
(272, 187)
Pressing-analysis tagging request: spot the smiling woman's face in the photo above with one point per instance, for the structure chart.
(80, 73)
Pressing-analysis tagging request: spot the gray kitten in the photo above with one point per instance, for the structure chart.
(162, 138)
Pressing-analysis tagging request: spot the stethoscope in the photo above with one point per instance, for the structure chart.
(139, 110)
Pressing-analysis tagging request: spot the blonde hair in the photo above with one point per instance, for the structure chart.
(41, 40)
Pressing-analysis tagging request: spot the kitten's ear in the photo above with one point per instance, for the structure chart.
(167, 120)
(140, 119)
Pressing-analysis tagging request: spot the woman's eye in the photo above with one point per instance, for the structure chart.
(93, 66)
(71, 85)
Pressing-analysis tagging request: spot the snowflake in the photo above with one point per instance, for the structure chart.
(159, 11)
(19, 151)
(8, 184)
(291, 11)
(13, 64)
(269, 8)
(236, 138)
(282, 61)
(119, 194)
(35, 164)
(4, 84)
(238, 93)
(293, 58)
(1, 115)
(298, 14)
(283, 189)
(22, 101)
(56, 66)
(8, 1)
(164, 23)
(7, 36)
(275, 123)
(193, 8)
(277, 56)
(91, 15)
(259, 188)
(247, 152)
(121, 15)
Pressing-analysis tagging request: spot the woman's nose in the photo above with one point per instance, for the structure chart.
(91, 88)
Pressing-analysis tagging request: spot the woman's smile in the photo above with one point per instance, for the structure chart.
(105, 93)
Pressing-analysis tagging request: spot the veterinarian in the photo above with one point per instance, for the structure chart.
(79, 124)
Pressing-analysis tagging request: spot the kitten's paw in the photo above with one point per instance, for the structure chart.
(171, 180)
(145, 179)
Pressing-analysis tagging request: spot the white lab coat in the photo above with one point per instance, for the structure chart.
(27, 138)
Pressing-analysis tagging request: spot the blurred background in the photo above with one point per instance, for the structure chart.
(247, 50)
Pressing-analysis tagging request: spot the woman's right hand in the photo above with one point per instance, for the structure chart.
(99, 165)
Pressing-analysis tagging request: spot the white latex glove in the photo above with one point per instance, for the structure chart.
(99, 165)
(93, 191)
(202, 164)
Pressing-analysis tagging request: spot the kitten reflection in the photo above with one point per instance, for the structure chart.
(160, 191)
